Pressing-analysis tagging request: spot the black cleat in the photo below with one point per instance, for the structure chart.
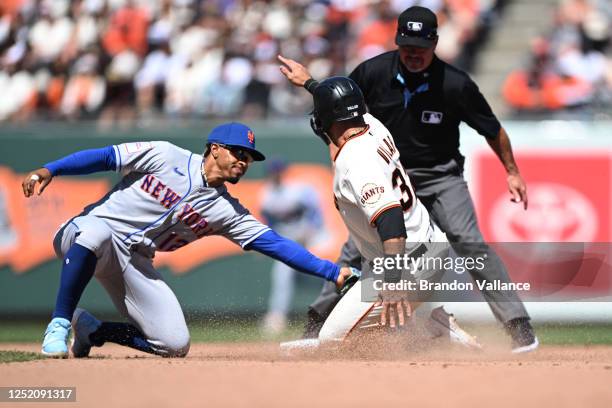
(524, 339)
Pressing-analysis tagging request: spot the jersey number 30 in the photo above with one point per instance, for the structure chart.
(398, 180)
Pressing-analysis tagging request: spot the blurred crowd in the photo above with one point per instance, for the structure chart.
(122, 60)
(571, 66)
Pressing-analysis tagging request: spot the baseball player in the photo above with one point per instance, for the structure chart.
(168, 197)
(293, 210)
(422, 100)
(377, 203)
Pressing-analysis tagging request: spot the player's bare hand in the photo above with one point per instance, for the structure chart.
(518, 189)
(41, 176)
(295, 72)
(394, 306)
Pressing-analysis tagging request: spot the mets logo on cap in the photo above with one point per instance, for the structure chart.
(251, 136)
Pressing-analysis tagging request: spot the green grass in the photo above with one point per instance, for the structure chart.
(10, 356)
(207, 331)
(233, 331)
(575, 334)
(21, 332)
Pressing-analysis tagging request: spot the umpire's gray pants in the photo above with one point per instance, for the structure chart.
(445, 194)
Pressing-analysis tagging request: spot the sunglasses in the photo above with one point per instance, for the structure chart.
(237, 152)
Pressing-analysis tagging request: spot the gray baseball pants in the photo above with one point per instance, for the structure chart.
(137, 290)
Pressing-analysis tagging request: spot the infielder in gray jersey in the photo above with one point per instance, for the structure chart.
(167, 198)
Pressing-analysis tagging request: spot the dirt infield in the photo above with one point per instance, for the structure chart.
(256, 375)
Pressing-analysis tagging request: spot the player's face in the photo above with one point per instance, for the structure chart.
(233, 162)
(416, 59)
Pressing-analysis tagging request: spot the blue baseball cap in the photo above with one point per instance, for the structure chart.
(236, 134)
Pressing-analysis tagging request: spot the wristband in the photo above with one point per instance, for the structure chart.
(310, 85)
(392, 275)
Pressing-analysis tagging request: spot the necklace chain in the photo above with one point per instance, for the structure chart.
(203, 172)
(356, 133)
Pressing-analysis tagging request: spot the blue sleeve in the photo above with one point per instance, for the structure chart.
(293, 254)
(84, 162)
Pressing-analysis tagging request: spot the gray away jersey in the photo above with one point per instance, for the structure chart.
(162, 202)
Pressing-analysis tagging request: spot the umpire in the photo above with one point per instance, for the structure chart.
(422, 100)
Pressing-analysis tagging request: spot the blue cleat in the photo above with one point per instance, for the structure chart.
(55, 343)
(84, 324)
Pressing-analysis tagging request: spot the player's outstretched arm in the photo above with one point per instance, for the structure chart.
(42, 176)
(299, 258)
(81, 162)
(297, 74)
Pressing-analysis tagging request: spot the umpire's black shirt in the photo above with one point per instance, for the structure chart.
(423, 110)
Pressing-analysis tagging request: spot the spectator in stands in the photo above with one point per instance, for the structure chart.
(17, 92)
(568, 67)
(119, 106)
(236, 73)
(88, 27)
(150, 81)
(377, 36)
(219, 39)
(127, 30)
(50, 35)
(85, 89)
(540, 88)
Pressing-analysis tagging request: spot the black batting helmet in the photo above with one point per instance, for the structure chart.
(336, 99)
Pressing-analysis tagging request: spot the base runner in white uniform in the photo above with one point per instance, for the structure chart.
(168, 198)
(378, 205)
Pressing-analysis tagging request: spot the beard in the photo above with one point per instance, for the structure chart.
(233, 180)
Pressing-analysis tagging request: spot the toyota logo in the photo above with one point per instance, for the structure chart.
(557, 213)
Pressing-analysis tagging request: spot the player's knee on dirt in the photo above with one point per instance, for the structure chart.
(171, 338)
(176, 345)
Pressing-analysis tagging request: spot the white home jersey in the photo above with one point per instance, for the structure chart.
(368, 180)
(162, 203)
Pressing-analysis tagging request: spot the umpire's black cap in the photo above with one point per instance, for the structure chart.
(418, 27)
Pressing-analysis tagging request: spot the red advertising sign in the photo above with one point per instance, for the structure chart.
(569, 202)
(569, 197)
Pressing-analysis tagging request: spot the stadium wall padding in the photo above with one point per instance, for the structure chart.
(240, 283)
